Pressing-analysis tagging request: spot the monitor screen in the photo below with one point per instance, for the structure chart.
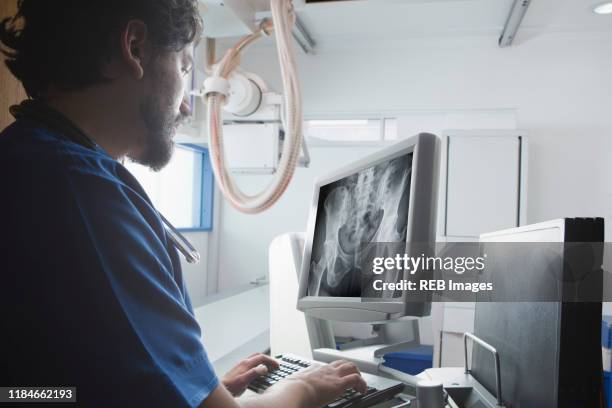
(370, 205)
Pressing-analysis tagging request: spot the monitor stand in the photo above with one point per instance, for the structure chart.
(368, 354)
(390, 337)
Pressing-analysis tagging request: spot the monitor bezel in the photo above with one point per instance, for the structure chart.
(420, 228)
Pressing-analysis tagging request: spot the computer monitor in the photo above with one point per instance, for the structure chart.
(389, 196)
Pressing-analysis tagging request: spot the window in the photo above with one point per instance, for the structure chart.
(183, 190)
(340, 130)
(351, 130)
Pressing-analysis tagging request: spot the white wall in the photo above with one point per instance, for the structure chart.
(244, 239)
(558, 85)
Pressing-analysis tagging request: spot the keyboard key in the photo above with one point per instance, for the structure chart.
(338, 403)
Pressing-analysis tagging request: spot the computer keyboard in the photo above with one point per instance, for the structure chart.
(379, 389)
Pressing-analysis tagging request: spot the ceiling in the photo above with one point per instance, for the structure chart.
(355, 20)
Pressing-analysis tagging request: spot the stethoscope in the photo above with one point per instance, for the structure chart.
(42, 113)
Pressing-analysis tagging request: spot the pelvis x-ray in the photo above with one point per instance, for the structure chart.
(368, 206)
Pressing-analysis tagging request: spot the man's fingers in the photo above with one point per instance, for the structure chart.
(338, 363)
(258, 359)
(350, 375)
(246, 378)
(346, 369)
(356, 382)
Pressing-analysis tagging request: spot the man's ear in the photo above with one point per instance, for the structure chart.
(135, 47)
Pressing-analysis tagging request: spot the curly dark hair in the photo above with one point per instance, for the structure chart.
(65, 42)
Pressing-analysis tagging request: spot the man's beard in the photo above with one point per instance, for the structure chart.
(161, 124)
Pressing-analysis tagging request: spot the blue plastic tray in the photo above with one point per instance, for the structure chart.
(412, 361)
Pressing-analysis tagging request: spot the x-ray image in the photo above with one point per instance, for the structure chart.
(368, 206)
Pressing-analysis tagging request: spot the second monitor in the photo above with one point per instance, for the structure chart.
(389, 196)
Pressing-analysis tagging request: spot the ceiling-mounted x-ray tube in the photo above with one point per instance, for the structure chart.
(217, 94)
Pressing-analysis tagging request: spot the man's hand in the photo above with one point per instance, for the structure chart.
(313, 387)
(325, 383)
(239, 377)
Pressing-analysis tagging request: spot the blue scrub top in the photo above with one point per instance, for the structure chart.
(91, 289)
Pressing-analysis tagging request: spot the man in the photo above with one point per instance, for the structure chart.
(92, 292)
